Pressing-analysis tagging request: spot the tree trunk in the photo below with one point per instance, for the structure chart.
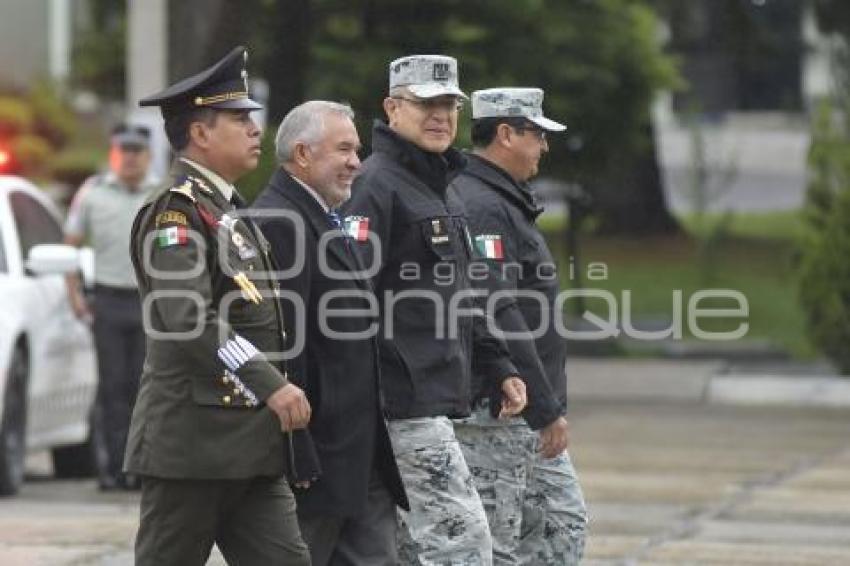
(287, 64)
(203, 31)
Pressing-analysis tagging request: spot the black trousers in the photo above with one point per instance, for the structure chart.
(251, 521)
(366, 540)
(120, 343)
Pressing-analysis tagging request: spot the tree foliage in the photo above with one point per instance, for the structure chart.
(599, 62)
(824, 269)
(100, 50)
(34, 126)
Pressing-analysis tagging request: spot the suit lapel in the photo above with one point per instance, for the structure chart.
(315, 216)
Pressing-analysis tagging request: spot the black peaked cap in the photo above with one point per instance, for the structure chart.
(224, 85)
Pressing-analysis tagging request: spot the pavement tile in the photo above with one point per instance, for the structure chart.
(775, 533)
(612, 547)
(657, 487)
(592, 453)
(47, 555)
(644, 519)
(125, 558)
(67, 531)
(831, 478)
(737, 554)
(807, 506)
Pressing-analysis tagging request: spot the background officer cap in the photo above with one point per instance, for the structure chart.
(223, 85)
(130, 135)
(426, 76)
(512, 102)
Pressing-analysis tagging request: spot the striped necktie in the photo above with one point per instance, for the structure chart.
(334, 219)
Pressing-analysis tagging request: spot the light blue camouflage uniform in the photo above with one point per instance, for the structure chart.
(534, 506)
(446, 525)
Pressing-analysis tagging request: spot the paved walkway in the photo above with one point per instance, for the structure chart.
(702, 484)
(672, 475)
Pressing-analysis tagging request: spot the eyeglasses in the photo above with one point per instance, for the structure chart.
(537, 132)
(433, 104)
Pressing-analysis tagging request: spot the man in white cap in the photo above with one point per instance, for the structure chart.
(414, 238)
(537, 516)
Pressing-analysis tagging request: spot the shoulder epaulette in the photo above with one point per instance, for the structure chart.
(185, 189)
(201, 184)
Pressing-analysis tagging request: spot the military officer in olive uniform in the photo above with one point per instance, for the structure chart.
(214, 411)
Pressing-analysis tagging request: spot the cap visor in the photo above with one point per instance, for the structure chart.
(432, 90)
(238, 104)
(548, 125)
(130, 139)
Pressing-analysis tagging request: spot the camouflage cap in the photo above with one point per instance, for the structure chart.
(513, 102)
(426, 76)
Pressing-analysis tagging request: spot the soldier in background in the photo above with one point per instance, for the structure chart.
(100, 215)
(208, 431)
(526, 480)
(408, 227)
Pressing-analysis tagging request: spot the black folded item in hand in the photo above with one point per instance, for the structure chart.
(301, 461)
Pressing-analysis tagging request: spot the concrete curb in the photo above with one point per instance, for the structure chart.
(796, 391)
(699, 382)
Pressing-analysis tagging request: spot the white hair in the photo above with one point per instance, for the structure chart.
(305, 124)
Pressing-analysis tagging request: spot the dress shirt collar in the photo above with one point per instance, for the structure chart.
(225, 188)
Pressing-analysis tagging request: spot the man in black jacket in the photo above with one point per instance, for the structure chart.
(347, 515)
(538, 516)
(414, 239)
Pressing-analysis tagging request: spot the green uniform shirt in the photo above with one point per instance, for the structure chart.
(102, 213)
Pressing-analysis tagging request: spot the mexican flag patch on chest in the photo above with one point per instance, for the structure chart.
(357, 227)
(172, 236)
(490, 246)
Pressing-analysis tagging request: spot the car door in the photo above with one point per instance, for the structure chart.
(62, 367)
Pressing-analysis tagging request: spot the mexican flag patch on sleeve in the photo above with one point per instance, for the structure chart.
(490, 246)
(172, 236)
(357, 227)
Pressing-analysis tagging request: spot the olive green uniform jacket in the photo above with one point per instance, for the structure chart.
(209, 317)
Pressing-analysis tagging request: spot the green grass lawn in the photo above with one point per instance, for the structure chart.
(755, 257)
(783, 225)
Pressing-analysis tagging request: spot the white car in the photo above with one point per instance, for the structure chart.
(48, 368)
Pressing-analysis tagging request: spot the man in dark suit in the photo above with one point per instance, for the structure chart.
(206, 430)
(347, 515)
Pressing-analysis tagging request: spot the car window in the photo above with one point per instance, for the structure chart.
(34, 223)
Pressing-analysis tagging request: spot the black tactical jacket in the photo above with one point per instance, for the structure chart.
(420, 248)
(503, 211)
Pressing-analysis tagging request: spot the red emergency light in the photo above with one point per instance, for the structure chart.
(5, 159)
